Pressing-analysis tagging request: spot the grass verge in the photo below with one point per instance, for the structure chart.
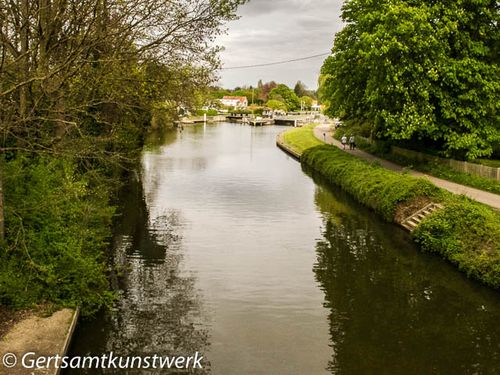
(300, 139)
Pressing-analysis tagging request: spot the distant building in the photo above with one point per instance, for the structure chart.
(315, 106)
(235, 101)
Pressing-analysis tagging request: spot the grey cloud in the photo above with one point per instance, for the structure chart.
(263, 7)
(276, 30)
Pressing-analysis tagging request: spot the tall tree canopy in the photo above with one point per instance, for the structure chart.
(419, 70)
(69, 69)
(81, 77)
(286, 95)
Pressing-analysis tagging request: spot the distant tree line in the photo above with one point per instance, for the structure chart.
(421, 72)
(81, 82)
(271, 95)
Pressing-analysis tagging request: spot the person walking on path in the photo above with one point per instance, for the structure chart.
(344, 141)
(485, 197)
(352, 142)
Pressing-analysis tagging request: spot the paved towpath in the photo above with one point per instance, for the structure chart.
(322, 132)
(45, 336)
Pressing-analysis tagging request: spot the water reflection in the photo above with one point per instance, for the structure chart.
(393, 310)
(159, 310)
(216, 255)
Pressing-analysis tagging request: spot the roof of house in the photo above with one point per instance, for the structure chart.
(239, 98)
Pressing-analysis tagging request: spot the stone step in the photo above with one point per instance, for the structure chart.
(409, 227)
(414, 220)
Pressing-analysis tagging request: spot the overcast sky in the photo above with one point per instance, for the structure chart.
(277, 30)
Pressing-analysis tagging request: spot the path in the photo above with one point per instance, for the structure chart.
(45, 336)
(489, 199)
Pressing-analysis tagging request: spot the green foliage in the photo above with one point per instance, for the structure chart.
(419, 70)
(467, 234)
(300, 89)
(57, 229)
(378, 188)
(276, 105)
(285, 94)
(86, 87)
(258, 111)
(307, 102)
(210, 112)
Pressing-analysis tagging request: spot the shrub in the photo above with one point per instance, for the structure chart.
(372, 185)
(468, 235)
(56, 231)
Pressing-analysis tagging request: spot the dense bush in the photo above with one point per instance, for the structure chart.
(467, 234)
(209, 112)
(57, 230)
(258, 111)
(372, 185)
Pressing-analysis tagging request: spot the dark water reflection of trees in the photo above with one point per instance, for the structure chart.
(159, 310)
(393, 310)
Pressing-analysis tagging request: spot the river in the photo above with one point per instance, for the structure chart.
(228, 248)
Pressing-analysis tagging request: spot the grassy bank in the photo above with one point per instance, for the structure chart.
(465, 232)
(300, 139)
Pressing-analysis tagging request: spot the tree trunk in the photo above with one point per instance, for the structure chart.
(2, 221)
(23, 91)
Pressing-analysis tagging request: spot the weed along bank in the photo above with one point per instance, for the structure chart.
(462, 231)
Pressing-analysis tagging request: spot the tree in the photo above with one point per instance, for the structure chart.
(283, 93)
(419, 70)
(306, 102)
(266, 89)
(276, 105)
(72, 73)
(246, 92)
(300, 89)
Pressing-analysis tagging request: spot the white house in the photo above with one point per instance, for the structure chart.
(235, 101)
(315, 106)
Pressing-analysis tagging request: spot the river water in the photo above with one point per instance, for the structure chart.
(228, 248)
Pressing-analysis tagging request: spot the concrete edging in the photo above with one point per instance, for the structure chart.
(283, 146)
(69, 336)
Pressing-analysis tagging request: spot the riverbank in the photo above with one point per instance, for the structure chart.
(464, 232)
